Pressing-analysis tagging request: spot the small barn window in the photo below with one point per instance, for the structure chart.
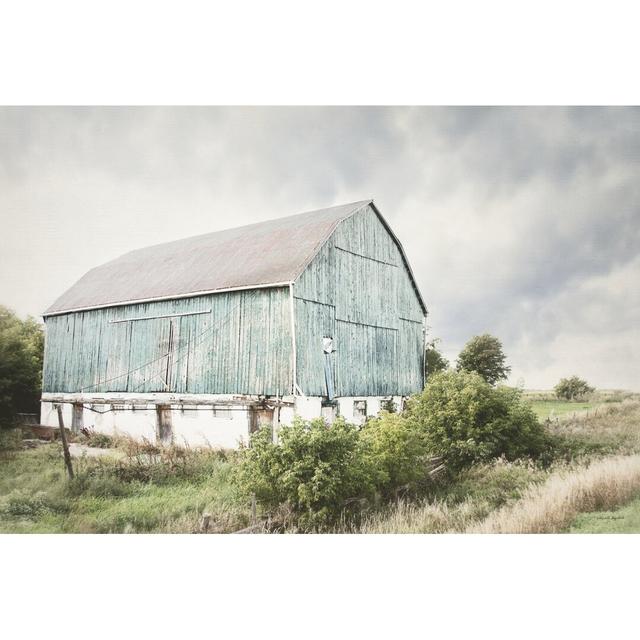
(360, 409)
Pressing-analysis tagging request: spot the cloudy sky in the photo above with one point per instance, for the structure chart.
(521, 222)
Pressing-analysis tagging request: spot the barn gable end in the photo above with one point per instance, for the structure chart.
(359, 291)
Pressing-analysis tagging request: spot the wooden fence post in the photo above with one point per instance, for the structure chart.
(65, 446)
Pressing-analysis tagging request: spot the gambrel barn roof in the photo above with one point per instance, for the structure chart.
(264, 254)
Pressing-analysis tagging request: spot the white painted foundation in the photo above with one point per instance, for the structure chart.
(308, 407)
(225, 425)
(193, 425)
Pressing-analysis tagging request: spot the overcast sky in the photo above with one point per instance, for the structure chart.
(521, 222)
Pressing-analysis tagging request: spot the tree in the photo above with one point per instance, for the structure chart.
(434, 361)
(484, 355)
(21, 355)
(466, 420)
(573, 388)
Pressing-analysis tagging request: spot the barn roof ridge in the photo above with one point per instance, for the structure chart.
(178, 268)
(357, 205)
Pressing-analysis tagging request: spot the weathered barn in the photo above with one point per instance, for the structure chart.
(204, 338)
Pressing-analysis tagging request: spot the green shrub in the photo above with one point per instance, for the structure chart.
(317, 471)
(397, 449)
(573, 388)
(466, 420)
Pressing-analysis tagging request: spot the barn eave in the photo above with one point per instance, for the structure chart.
(180, 296)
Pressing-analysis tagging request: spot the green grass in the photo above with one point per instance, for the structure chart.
(154, 489)
(623, 520)
(36, 497)
(558, 408)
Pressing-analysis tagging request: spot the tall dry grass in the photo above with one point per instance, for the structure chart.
(430, 517)
(613, 429)
(551, 507)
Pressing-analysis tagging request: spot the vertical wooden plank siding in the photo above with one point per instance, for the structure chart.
(318, 281)
(318, 321)
(356, 290)
(359, 288)
(242, 345)
(367, 363)
(366, 291)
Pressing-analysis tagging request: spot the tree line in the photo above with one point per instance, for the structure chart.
(21, 357)
(484, 354)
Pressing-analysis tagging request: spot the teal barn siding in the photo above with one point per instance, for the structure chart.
(241, 345)
(213, 314)
(359, 291)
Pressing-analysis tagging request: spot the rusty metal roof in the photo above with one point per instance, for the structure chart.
(262, 254)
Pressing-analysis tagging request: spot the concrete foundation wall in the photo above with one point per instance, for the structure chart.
(225, 425)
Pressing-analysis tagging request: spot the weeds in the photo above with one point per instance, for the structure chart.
(147, 489)
(614, 429)
(593, 463)
(10, 440)
(455, 503)
(93, 438)
(552, 507)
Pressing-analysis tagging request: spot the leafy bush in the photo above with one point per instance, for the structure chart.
(484, 355)
(317, 471)
(573, 388)
(397, 449)
(466, 420)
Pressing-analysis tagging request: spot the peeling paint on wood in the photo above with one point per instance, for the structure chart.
(242, 345)
(357, 289)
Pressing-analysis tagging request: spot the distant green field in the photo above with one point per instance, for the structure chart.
(546, 408)
(623, 520)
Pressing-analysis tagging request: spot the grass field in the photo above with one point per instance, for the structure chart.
(595, 466)
(557, 408)
(106, 497)
(623, 520)
(546, 405)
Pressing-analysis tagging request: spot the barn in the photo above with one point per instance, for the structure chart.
(204, 339)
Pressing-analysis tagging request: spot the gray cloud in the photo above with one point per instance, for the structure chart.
(520, 221)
